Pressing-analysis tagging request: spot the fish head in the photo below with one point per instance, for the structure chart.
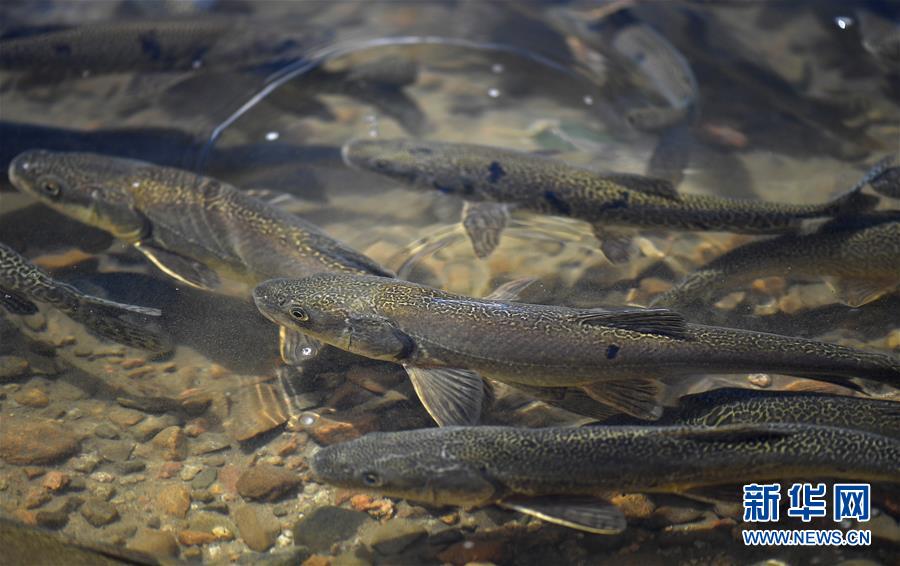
(336, 308)
(93, 189)
(421, 164)
(426, 465)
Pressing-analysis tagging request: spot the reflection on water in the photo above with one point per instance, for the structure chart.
(203, 453)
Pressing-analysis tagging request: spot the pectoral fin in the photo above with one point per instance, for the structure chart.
(638, 397)
(186, 270)
(451, 396)
(483, 222)
(16, 303)
(113, 308)
(511, 290)
(615, 246)
(582, 513)
(857, 292)
(296, 347)
(648, 321)
(106, 325)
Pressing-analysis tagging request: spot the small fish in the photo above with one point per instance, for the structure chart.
(29, 545)
(728, 406)
(21, 284)
(446, 341)
(858, 258)
(494, 181)
(559, 474)
(199, 231)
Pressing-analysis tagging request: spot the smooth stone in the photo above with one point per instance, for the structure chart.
(131, 467)
(327, 525)
(12, 367)
(98, 512)
(266, 482)
(394, 536)
(210, 442)
(258, 527)
(172, 442)
(204, 479)
(154, 543)
(151, 426)
(174, 499)
(106, 430)
(27, 441)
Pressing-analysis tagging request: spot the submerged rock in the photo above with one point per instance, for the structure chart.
(326, 526)
(155, 543)
(258, 527)
(174, 500)
(26, 441)
(266, 482)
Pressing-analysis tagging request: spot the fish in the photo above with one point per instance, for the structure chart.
(731, 405)
(857, 257)
(22, 284)
(200, 231)
(561, 475)
(29, 545)
(883, 177)
(494, 181)
(447, 341)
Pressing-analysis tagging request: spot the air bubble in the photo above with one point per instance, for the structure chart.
(843, 22)
(272, 136)
(493, 92)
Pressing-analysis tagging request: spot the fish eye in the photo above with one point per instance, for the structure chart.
(371, 478)
(50, 187)
(298, 313)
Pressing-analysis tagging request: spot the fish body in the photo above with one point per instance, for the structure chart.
(198, 230)
(22, 283)
(545, 471)
(858, 258)
(612, 355)
(492, 177)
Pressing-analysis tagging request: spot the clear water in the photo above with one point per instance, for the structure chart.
(781, 101)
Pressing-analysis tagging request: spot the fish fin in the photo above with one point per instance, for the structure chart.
(874, 172)
(664, 322)
(451, 396)
(186, 270)
(570, 399)
(296, 348)
(16, 303)
(280, 200)
(744, 432)
(105, 324)
(851, 202)
(484, 222)
(583, 513)
(112, 308)
(616, 246)
(857, 292)
(638, 397)
(511, 290)
(643, 184)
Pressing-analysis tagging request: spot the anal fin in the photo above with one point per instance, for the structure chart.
(858, 292)
(186, 270)
(484, 222)
(511, 290)
(638, 397)
(583, 513)
(295, 347)
(451, 396)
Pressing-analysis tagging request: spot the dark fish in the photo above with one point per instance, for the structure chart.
(859, 259)
(21, 284)
(557, 474)
(200, 231)
(24, 545)
(495, 181)
(446, 341)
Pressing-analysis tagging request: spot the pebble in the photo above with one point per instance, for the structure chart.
(892, 342)
(12, 367)
(195, 538)
(55, 481)
(258, 527)
(103, 477)
(169, 470)
(473, 551)
(131, 467)
(103, 491)
(172, 442)
(760, 379)
(210, 442)
(124, 418)
(327, 525)
(154, 543)
(98, 512)
(85, 463)
(332, 431)
(189, 471)
(151, 426)
(35, 498)
(106, 430)
(174, 500)
(204, 479)
(634, 505)
(25, 441)
(266, 482)
(34, 397)
(393, 537)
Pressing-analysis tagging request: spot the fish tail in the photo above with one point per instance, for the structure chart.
(104, 318)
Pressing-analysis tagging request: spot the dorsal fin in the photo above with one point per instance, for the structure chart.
(648, 321)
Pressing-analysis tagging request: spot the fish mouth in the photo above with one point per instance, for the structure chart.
(264, 304)
(19, 167)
